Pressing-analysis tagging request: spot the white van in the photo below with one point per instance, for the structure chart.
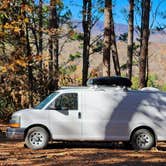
(94, 114)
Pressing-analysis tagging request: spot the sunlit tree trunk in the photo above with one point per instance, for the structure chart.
(110, 47)
(144, 43)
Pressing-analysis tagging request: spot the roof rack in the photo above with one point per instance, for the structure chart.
(110, 81)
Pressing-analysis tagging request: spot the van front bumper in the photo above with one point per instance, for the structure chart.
(15, 133)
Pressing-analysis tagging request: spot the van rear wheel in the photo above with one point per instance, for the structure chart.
(36, 138)
(142, 139)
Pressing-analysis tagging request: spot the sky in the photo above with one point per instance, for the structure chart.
(76, 6)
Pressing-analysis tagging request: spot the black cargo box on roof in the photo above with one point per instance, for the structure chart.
(110, 81)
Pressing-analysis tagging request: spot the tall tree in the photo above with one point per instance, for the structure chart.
(109, 41)
(130, 39)
(114, 50)
(144, 43)
(27, 48)
(40, 28)
(107, 37)
(41, 47)
(86, 23)
(30, 70)
(53, 46)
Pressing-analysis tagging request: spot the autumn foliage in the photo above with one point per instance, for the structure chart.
(24, 62)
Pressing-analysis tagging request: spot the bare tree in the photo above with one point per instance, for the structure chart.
(130, 39)
(144, 43)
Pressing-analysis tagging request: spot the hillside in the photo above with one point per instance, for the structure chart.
(157, 59)
(156, 36)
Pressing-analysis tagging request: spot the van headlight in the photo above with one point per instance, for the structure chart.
(15, 121)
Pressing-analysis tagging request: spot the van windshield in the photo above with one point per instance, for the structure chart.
(46, 100)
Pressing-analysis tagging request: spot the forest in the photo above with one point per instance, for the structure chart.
(43, 47)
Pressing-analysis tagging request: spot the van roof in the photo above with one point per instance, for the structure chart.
(89, 88)
(71, 89)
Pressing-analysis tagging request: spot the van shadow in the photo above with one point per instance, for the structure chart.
(87, 144)
(136, 109)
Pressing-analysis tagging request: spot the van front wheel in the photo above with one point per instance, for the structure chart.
(36, 138)
(142, 139)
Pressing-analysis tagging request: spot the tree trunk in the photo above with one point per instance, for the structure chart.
(42, 91)
(35, 34)
(53, 47)
(3, 38)
(144, 41)
(30, 71)
(40, 28)
(130, 40)
(114, 50)
(109, 41)
(27, 49)
(86, 23)
(107, 38)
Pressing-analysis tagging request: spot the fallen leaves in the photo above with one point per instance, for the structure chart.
(82, 153)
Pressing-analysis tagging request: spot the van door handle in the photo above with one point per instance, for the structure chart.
(79, 115)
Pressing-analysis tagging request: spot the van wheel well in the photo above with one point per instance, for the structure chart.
(38, 125)
(144, 127)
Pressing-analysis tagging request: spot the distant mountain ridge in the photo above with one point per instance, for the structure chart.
(155, 36)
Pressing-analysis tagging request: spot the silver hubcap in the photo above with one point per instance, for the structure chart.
(143, 140)
(36, 138)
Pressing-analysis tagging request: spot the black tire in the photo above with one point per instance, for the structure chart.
(142, 139)
(36, 138)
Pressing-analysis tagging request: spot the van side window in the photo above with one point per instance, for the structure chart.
(68, 100)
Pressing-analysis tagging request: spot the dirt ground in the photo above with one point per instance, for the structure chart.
(79, 153)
